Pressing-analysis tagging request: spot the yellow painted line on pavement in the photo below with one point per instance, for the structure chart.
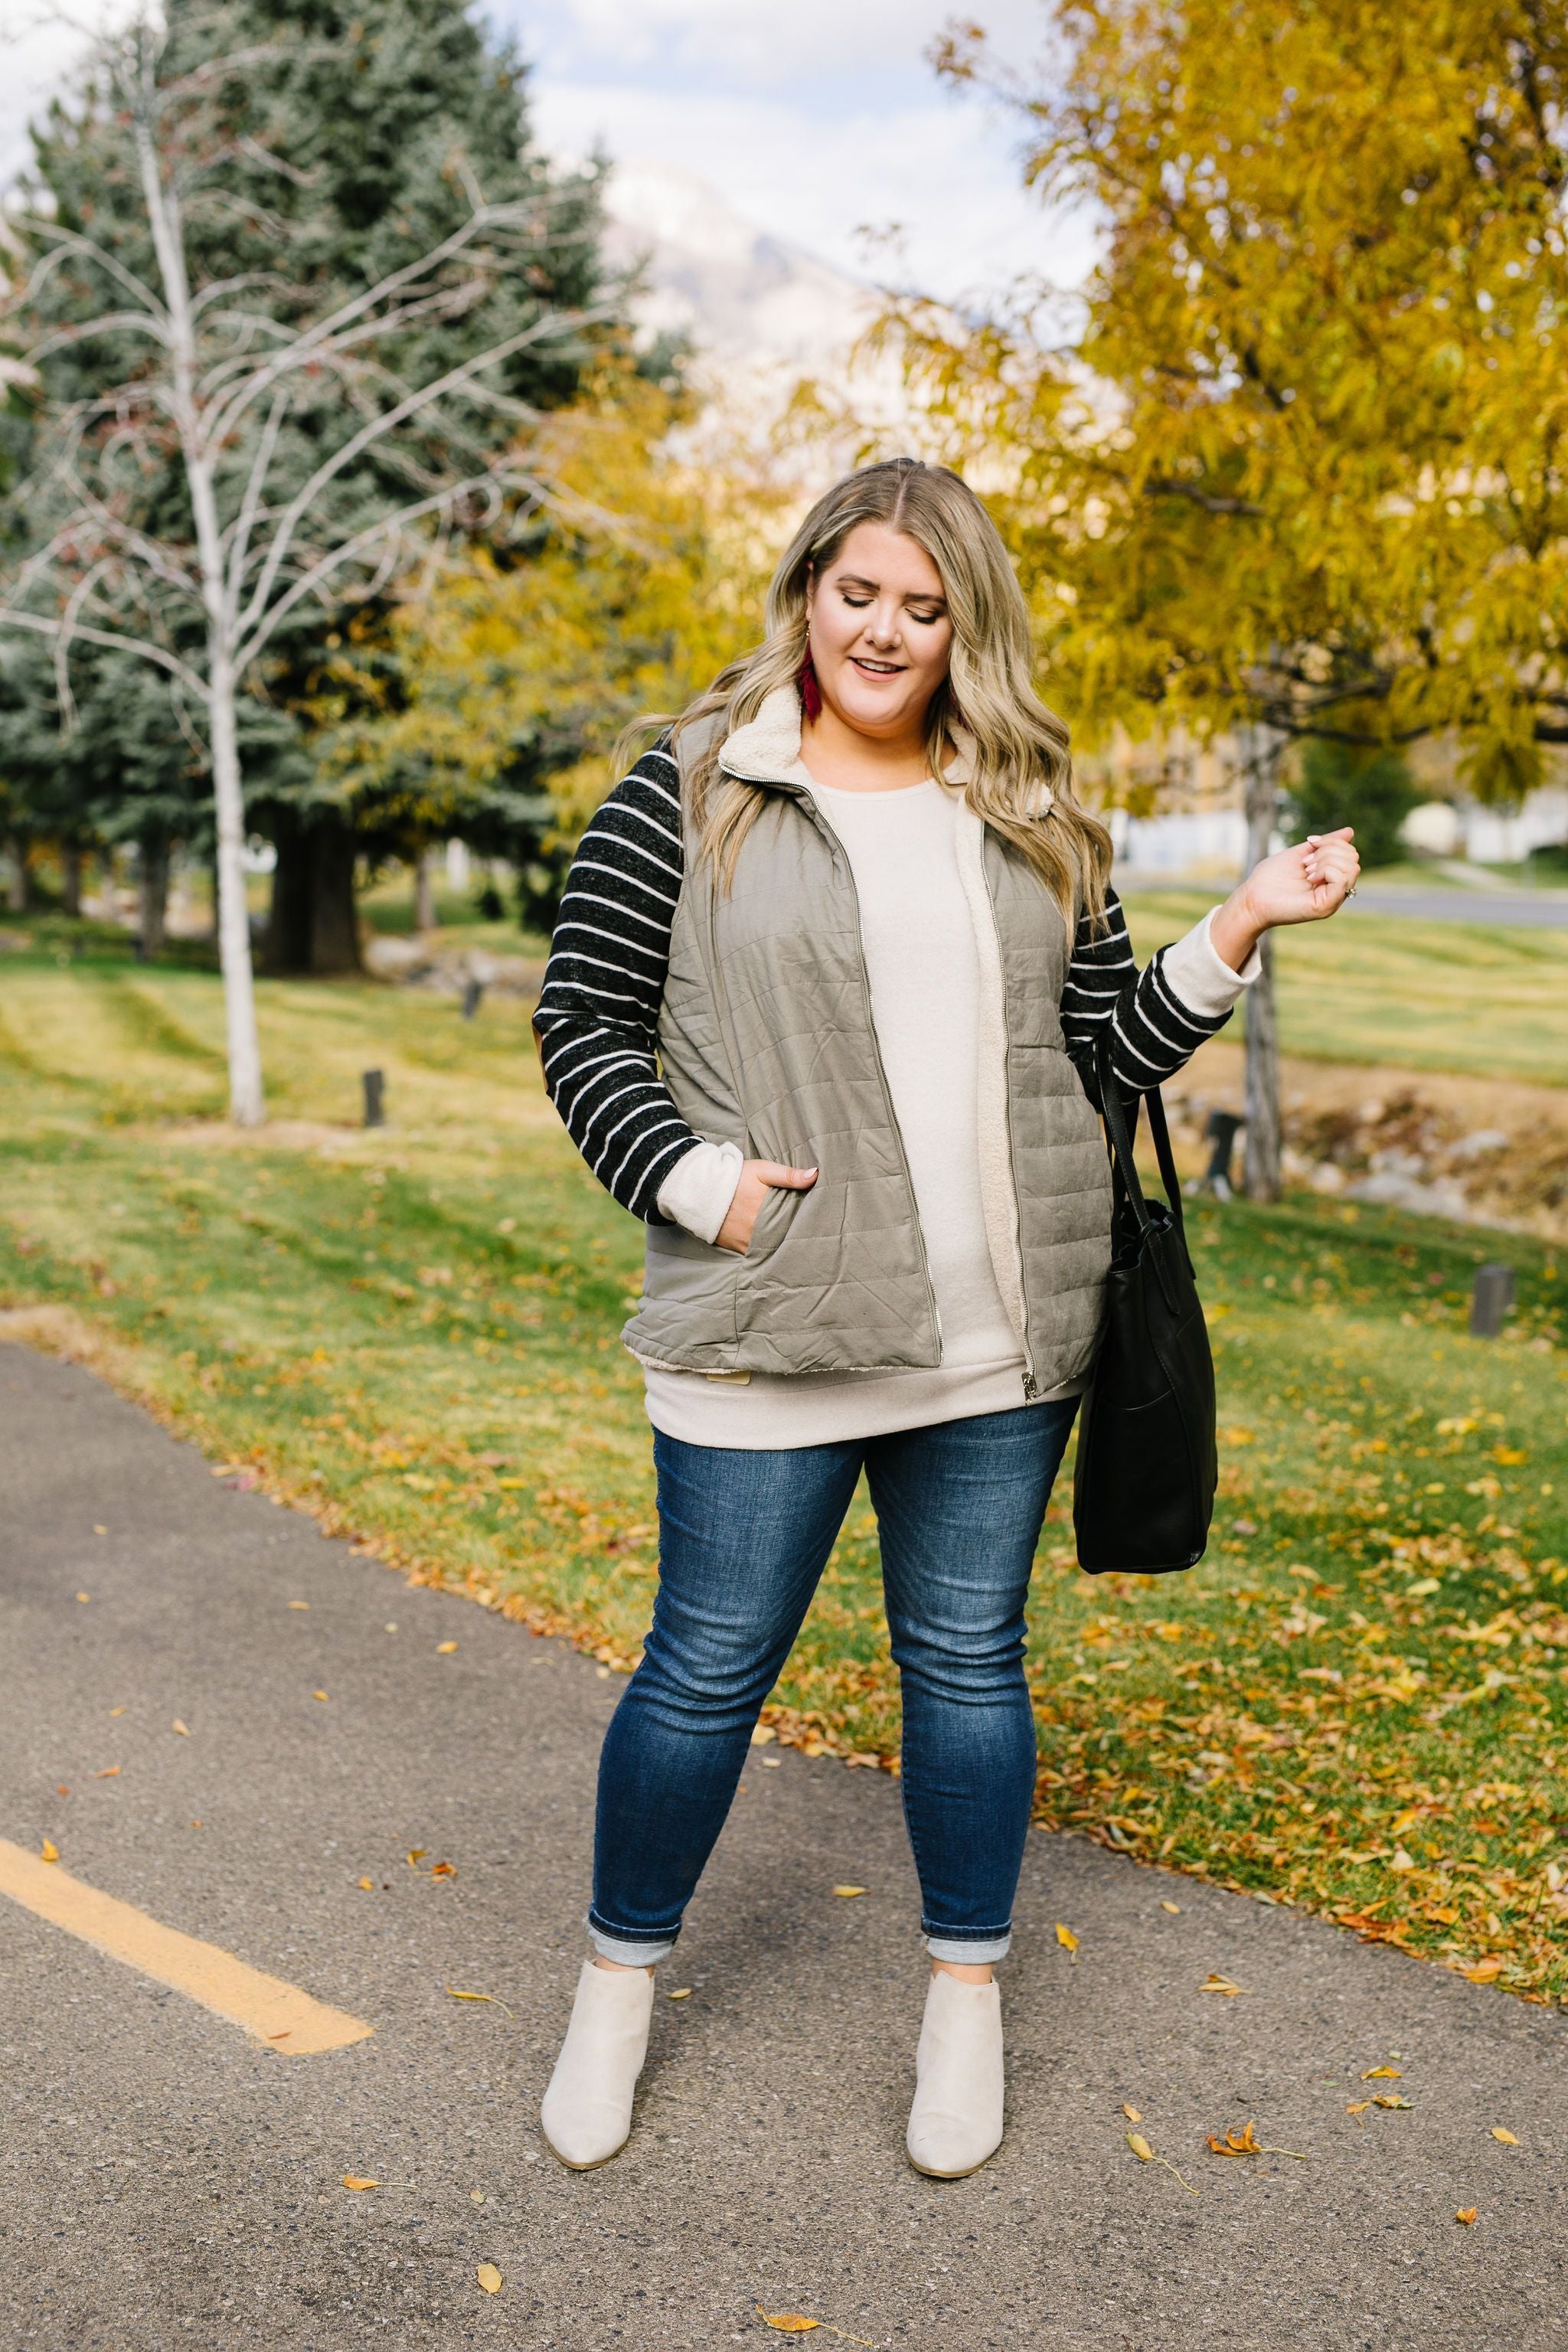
(277, 2014)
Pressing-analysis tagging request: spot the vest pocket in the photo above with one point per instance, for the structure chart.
(774, 1218)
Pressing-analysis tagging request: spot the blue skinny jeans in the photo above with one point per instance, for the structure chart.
(743, 1538)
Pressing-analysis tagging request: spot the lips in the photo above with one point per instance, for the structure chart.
(877, 669)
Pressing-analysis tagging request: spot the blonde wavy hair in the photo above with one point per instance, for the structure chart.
(1018, 743)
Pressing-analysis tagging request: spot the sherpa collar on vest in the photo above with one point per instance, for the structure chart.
(766, 750)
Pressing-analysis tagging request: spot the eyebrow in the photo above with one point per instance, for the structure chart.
(915, 596)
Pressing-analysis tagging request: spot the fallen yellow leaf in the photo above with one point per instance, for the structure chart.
(415, 1855)
(48, 1852)
(1381, 2073)
(182, 1729)
(358, 2180)
(511, 1483)
(1227, 1985)
(1466, 2214)
(763, 1735)
(1244, 2143)
(1506, 2138)
(1390, 2099)
(1358, 2106)
(368, 1885)
(318, 1694)
(84, 1596)
(108, 1773)
(101, 1531)
(442, 1870)
(298, 1604)
(1484, 1970)
(844, 1891)
(488, 2278)
(1174, 1908)
(1133, 2115)
(1066, 1938)
(455, 1993)
(795, 2322)
(683, 1993)
(1145, 2155)
(444, 1649)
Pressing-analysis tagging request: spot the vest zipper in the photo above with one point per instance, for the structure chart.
(1031, 1383)
(817, 818)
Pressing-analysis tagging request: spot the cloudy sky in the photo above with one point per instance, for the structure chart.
(814, 119)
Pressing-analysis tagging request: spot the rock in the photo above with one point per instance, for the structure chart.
(1484, 1139)
(1395, 1189)
(387, 956)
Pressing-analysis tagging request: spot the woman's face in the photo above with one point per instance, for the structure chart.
(880, 635)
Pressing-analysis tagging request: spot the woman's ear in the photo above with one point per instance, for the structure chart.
(810, 590)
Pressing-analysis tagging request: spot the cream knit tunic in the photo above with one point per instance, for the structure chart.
(922, 963)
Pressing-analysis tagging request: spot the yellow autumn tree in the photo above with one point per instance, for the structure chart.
(1290, 463)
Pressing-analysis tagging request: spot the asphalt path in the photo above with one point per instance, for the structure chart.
(166, 2180)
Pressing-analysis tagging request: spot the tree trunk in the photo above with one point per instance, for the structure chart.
(246, 1101)
(17, 880)
(70, 865)
(1262, 1062)
(153, 893)
(313, 926)
(424, 891)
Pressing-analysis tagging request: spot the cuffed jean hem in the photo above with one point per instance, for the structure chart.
(629, 1952)
(968, 1950)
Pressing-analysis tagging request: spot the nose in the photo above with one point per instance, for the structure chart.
(882, 624)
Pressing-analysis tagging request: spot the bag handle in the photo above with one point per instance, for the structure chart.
(1120, 1135)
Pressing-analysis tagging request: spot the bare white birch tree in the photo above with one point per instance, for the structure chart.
(317, 467)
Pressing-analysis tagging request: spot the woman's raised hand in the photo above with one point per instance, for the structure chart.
(1299, 885)
(1304, 883)
(758, 1178)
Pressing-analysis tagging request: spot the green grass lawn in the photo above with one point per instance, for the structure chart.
(1491, 1001)
(1358, 1703)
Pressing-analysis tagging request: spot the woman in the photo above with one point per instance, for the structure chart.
(829, 964)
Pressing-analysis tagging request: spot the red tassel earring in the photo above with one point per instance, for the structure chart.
(810, 691)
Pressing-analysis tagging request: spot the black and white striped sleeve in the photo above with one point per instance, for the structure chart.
(597, 1020)
(1184, 996)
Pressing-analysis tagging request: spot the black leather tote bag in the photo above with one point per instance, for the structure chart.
(1147, 1467)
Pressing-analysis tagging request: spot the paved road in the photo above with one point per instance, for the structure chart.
(166, 2181)
(1544, 910)
(1512, 909)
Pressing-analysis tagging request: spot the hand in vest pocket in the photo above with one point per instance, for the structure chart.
(758, 1178)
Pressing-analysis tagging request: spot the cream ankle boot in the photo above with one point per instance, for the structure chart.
(587, 2110)
(955, 2122)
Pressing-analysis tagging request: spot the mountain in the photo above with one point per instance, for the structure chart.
(760, 312)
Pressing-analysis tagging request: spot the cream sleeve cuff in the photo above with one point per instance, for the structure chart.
(698, 1190)
(1193, 970)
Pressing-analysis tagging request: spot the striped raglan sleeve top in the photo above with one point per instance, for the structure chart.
(597, 1020)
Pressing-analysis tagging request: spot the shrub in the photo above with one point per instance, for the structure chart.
(1341, 784)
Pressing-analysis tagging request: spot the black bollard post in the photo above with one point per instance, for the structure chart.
(1221, 1130)
(1491, 1300)
(374, 1106)
(473, 997)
